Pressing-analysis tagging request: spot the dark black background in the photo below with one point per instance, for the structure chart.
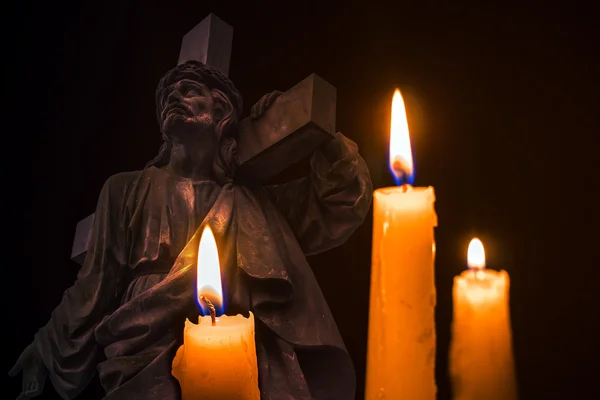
(502, 104)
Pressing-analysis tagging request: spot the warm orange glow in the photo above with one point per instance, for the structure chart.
(209, 270)
(476, 254)
(401, 162)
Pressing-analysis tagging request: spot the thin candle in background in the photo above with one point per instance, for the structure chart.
(481, 355)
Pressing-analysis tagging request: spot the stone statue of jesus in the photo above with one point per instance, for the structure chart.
(125, 313)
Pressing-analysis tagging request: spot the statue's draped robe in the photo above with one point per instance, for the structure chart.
(125, 313)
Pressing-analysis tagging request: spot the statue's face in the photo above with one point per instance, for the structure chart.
(188, 108)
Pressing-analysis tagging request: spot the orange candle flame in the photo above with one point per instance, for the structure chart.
(401, 160)
(209, 273)
(476, 257)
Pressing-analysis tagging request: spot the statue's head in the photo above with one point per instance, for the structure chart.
(195, 94)
(196, 99)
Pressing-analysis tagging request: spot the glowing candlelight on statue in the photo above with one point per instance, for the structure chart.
(218, 357)
(481, 358)
(401, 348)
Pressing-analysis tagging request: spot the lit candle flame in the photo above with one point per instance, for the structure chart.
(401, 161)
(209, 273)
(476, 257)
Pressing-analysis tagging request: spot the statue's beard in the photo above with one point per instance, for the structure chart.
(176, 122)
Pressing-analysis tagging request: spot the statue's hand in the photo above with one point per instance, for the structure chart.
(263, 104)
(34, 373)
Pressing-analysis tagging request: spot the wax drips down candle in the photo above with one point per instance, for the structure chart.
(481, 357)
(218, 357)
(401, 348)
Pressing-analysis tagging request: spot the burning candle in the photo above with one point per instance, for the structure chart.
(401, 348)
(218, 357)
(481, 358)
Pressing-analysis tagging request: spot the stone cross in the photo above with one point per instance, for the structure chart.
(292, 127)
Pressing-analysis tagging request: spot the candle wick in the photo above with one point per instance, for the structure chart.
(478, 273)
(213, 312)
(404, 187)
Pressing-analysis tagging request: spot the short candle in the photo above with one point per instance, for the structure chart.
(218, 357)
(481, 356)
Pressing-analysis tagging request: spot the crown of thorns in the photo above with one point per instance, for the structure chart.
(198, 72)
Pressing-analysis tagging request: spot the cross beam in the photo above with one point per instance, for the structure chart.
(292, 127)
(297, 122)
(208, 42)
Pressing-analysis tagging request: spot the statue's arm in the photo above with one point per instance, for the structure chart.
(325, 208)
(67, 344)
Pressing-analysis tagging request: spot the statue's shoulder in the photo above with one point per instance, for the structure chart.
(123, 180)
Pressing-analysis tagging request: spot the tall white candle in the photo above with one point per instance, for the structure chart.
(401, 347)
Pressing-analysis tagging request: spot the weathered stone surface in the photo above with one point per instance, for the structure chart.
(297, 122)
(292, 127)
(208, 42)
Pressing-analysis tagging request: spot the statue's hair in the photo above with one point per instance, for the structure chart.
(223, 92)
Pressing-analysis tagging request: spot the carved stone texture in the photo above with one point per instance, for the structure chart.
(298, 122)
(208, 42)
(123, 317)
